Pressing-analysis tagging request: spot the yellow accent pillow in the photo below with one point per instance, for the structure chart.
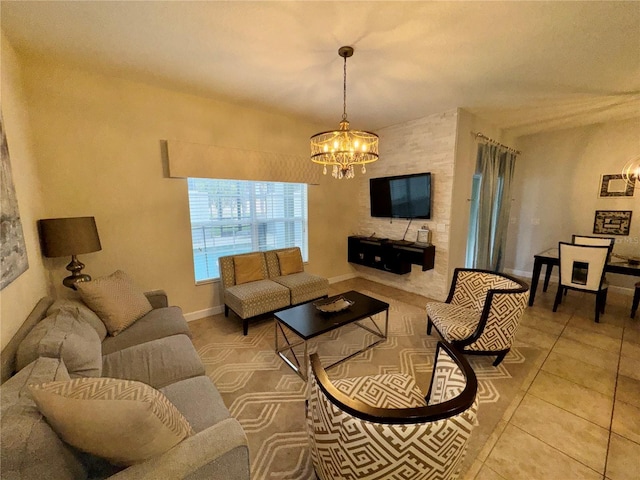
(290, 262)
(116, 300)
(124, 421)
(248, 268)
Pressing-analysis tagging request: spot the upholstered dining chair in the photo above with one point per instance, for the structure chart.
(382, 427)
(482, 312)
(582, 269)
(598, 241)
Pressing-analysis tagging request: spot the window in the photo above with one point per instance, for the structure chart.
(236, 216)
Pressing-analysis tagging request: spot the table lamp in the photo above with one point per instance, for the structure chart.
(60, 237)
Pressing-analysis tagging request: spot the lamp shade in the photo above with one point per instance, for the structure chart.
(61, 237)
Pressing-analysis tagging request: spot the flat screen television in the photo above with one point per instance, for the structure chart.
(402, 196)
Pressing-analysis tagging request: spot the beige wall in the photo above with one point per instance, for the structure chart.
(19, 297)
(98, 139)
(556, 190)
(423, 145)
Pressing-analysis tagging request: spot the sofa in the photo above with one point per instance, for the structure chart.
(257, 283)
(66, 343)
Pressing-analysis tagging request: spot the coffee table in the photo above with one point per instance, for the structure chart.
(307, 322)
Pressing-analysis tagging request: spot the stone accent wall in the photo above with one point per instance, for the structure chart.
(423, 145)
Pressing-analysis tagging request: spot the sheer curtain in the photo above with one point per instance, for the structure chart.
(490, 205)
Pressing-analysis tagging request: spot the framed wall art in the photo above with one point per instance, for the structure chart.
(13, 252)
(615, 186)
(612, 222)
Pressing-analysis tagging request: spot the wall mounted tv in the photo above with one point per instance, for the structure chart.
(402, 196)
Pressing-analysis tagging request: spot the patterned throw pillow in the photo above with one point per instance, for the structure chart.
(116, 300)
(290, 262)
(248, 268)
(123, 421)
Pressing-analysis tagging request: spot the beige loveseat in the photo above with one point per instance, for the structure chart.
(261, 282)
(66, 341)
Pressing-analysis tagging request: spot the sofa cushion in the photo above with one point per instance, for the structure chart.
(116, 300)
(156, 363)
(290, 261)
(81, 312)
(254, 298)
(158, 323)
(304, 286)
(30, 449)
(198, 400)
(248, 268)
(124, 421)
(63, 336)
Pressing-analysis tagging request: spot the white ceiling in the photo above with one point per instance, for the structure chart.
(524, 66)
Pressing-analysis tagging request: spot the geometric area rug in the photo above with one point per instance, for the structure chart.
(267, 397)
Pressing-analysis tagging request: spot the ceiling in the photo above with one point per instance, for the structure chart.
(524, 66)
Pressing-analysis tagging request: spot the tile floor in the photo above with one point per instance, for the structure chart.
(577, 416)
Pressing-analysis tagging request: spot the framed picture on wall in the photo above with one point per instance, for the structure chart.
(615, 186)
(612, 222)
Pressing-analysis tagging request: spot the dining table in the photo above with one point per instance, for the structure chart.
(551, 258)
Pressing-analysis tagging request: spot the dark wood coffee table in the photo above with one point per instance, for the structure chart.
(307, 322)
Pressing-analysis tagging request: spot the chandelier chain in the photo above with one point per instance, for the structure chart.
(344, 91)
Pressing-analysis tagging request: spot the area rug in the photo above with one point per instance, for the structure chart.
(267, 397)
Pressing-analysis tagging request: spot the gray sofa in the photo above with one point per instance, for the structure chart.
(279, 282)
(156, 350)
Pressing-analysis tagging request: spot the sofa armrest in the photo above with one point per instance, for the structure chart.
(157, 298)
(199, 456)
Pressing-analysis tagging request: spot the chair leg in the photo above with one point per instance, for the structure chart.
(636, 301)
(500, 358)
(603, 301)
(429, 325)
(245, 326)
(598, 306)
(226, 311)
(558, 298)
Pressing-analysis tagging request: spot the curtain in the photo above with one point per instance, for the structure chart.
(490, 207)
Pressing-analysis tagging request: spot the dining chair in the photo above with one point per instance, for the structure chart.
(582, 269)
(636, 301)
(588, 240)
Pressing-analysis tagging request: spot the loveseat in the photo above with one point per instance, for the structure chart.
(65, 341)
(257, 283)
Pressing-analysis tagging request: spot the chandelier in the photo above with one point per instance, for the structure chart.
(631, 171)
(344, 148)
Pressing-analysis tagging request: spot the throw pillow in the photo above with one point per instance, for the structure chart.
(248, 268)
(123, 421)
(116, 300)
(62, 335)
(81, 312)
(290, 262)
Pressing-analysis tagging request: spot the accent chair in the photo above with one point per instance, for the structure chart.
(382, 427)
(482, 312)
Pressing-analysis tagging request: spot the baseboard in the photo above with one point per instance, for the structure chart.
(207, 312)
(342, 278)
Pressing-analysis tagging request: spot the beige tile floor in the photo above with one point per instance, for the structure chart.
(577, 416)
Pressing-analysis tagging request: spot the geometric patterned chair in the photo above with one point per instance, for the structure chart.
(381, 427)
(482, 312)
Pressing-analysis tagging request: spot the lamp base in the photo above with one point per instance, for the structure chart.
(75, 267)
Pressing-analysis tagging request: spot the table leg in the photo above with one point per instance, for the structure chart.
(547, 276)
(537, 266)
